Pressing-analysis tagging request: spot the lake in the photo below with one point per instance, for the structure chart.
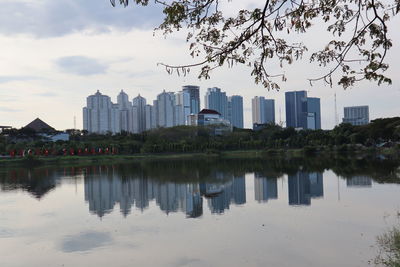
(215, 212)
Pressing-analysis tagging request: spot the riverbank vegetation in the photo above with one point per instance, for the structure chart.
(380, 133)
(389, 247)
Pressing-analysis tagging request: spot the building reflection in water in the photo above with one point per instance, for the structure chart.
(105, 189)
(303, 186)
(359, 181)
(265, 188)
(129, 188)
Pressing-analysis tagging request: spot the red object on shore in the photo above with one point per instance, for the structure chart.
(71, 151)
(12, 153)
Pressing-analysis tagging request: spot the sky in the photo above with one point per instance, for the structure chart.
(56, 53)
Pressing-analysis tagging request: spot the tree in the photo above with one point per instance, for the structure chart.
(261, 36)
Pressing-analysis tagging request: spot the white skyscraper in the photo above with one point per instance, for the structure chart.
(97, 114)
(182, 107)
(125, 109)
(115, 119)
(149, 117)
(154, 115)
(138, 114)
(165, 109)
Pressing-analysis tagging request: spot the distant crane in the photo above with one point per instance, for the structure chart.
(280, 118)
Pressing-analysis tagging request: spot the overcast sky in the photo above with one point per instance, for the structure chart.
(56, 53)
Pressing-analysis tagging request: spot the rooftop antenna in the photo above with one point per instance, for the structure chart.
(336, 114)
(74, 122)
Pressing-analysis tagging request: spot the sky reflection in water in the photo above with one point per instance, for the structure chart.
(185, 213)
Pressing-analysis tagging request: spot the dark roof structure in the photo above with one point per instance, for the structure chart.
(38, 125)
(209, 111)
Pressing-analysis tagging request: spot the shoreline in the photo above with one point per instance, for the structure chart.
(33, 161)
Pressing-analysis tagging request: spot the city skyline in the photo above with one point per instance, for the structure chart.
(174, 108)
(170, 109)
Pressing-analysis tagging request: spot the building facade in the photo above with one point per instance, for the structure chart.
(235, 111)
(97, 114)
(194, 97)
(357, 115)
(125, 112)
(313, 113)
(296, 109)
(183, 107)
(217, 100)
(138, 114)
(302, 111)
(263, 110)
(165, 109)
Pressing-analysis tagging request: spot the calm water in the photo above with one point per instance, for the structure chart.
(197, 213)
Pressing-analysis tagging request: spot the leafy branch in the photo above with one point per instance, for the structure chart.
(260, 38)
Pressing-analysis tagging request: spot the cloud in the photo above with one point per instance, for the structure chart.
(8, 98)
(85, 241)
(46, 94)
(49, 18)
(188, 262)
(5, 109)
(81, 65)
(6, 79)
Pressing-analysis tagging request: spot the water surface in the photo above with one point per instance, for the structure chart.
(197, 213)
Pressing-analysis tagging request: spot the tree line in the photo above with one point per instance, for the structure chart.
(185, 139)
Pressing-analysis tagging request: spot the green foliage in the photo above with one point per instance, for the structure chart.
(183, 139)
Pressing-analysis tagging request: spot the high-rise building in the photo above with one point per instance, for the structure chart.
(182, 107)
(194, 95)
(97, 114)
(358, 115)
(165, 109)
(115, 119)
(235, 111)
(149, 117)
(215, 99)
(296, 109)
(154, 115)
(138, 114)
(125, 109)
(302, 111)
(313, 113)
(263, 110)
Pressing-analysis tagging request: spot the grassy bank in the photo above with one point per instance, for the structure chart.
(31, 161)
